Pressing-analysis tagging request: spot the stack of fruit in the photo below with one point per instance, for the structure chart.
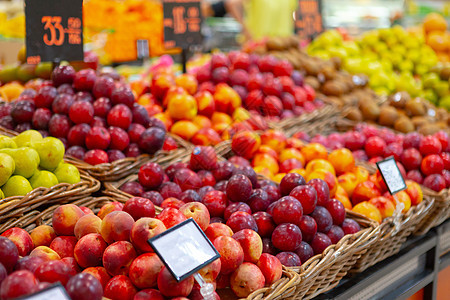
(78, 107)
(402, 113)
(434, 28)
(425, 158)
(394, 60)
(29, 161)
(294, 220)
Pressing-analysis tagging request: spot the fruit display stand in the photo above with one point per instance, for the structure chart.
(318, 274)
(12, 208)
(439, 212)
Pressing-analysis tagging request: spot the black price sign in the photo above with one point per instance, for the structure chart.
(309, 23)
(182, 23)
(56, 291)
(184, 249)
(391, 175)
(54, 30)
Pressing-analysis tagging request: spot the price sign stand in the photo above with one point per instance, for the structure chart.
(182, 26)
(394, 181)
(54, 30)
(184, 249)
(55, 291)
(309, 23)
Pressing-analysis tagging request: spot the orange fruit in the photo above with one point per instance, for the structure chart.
(434, 22)
(438, 41)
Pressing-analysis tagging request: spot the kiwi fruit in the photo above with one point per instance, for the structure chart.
(354, 114)
(399, 99)
(404, 125)
(445, 73)
(312, 81)
(415, 107)
(388, 116)
(428, 129)
(419, 121)
(370, 111)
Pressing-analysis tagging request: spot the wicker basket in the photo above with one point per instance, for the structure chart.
(438, 213)
(323, 272)
(283, 288)
(292, 125)
(16, 206)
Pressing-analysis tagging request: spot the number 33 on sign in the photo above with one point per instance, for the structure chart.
(54, 30)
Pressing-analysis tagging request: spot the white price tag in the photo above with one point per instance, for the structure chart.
(391, 175)
(184, 249)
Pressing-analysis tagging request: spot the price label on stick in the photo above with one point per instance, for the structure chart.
(56, 291)
(182, 23)
(184, 249)
(391, 175)
(308, 21)
(54, 30)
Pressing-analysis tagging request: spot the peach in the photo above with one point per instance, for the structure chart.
(361, 174)
(231, 253)
(261, 170)
(205, 103)
(87, 224)
(289, 153)
(184, 129)
(42, 235)
(348, 182)
(246, 143)
(169, 287)
(165, 118)
(241, 114)
(384, 205)
(198, 212)
(215, 230)
(182, 107)
(251, 244)
(267, 150)
(271, 268)
(116, 226)
(379, 182)
(226, 99)
(277, 178)
(206, 137)
(414, 192)
(188, 82)
(86, 210)
(369, 210)
(161, 84)
(202, 122)
(314, 151)
(211, 271)
(64, 245)
(17, 284)
(120, 287)
(153, 110)
(65, 217)
(171, 217)
(99, 273)
(146, 99)
(109, 208)
(403, 197)
(89, 250)
(143, 230)
(274, 139)
(294, 143)
(246, 279)
(173, 92)
(220, 118)
(342, 196)
(45, 253)
(323, 164)
(364, 192)
(266, 160)
(328, 177)
(118, 257)
(21, 239)
(300, 171)
(144, 270)
(342, 160)
(72, 263)
(224, 130)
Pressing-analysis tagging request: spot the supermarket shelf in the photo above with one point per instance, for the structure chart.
(414, 268)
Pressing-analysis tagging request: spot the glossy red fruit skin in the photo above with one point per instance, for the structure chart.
(241, 220)
(77, 134)
(289, 259)
(96, 156)
(337, 211)
(59, 126)
(411, 159)
(54, 271)
(151, 175)
(120, 116)
(123, 95)
(239, 188)
(45, 97)
(287, 237)
(81, 112)
(84, 80)
(119, 138)
(432, 164)
(320, 242)
(287, 210)
(84, 286)
(308, 226)
(9, 255)
(430, 145)
(307, 196)
(63, 74)
(323, 219)
(103, 87)
(98, 138)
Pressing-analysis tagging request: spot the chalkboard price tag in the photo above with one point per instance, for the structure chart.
(182, 23)
(184, 249)
(54, 30)
(309, 23)
(56, 291)
(391, 175)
